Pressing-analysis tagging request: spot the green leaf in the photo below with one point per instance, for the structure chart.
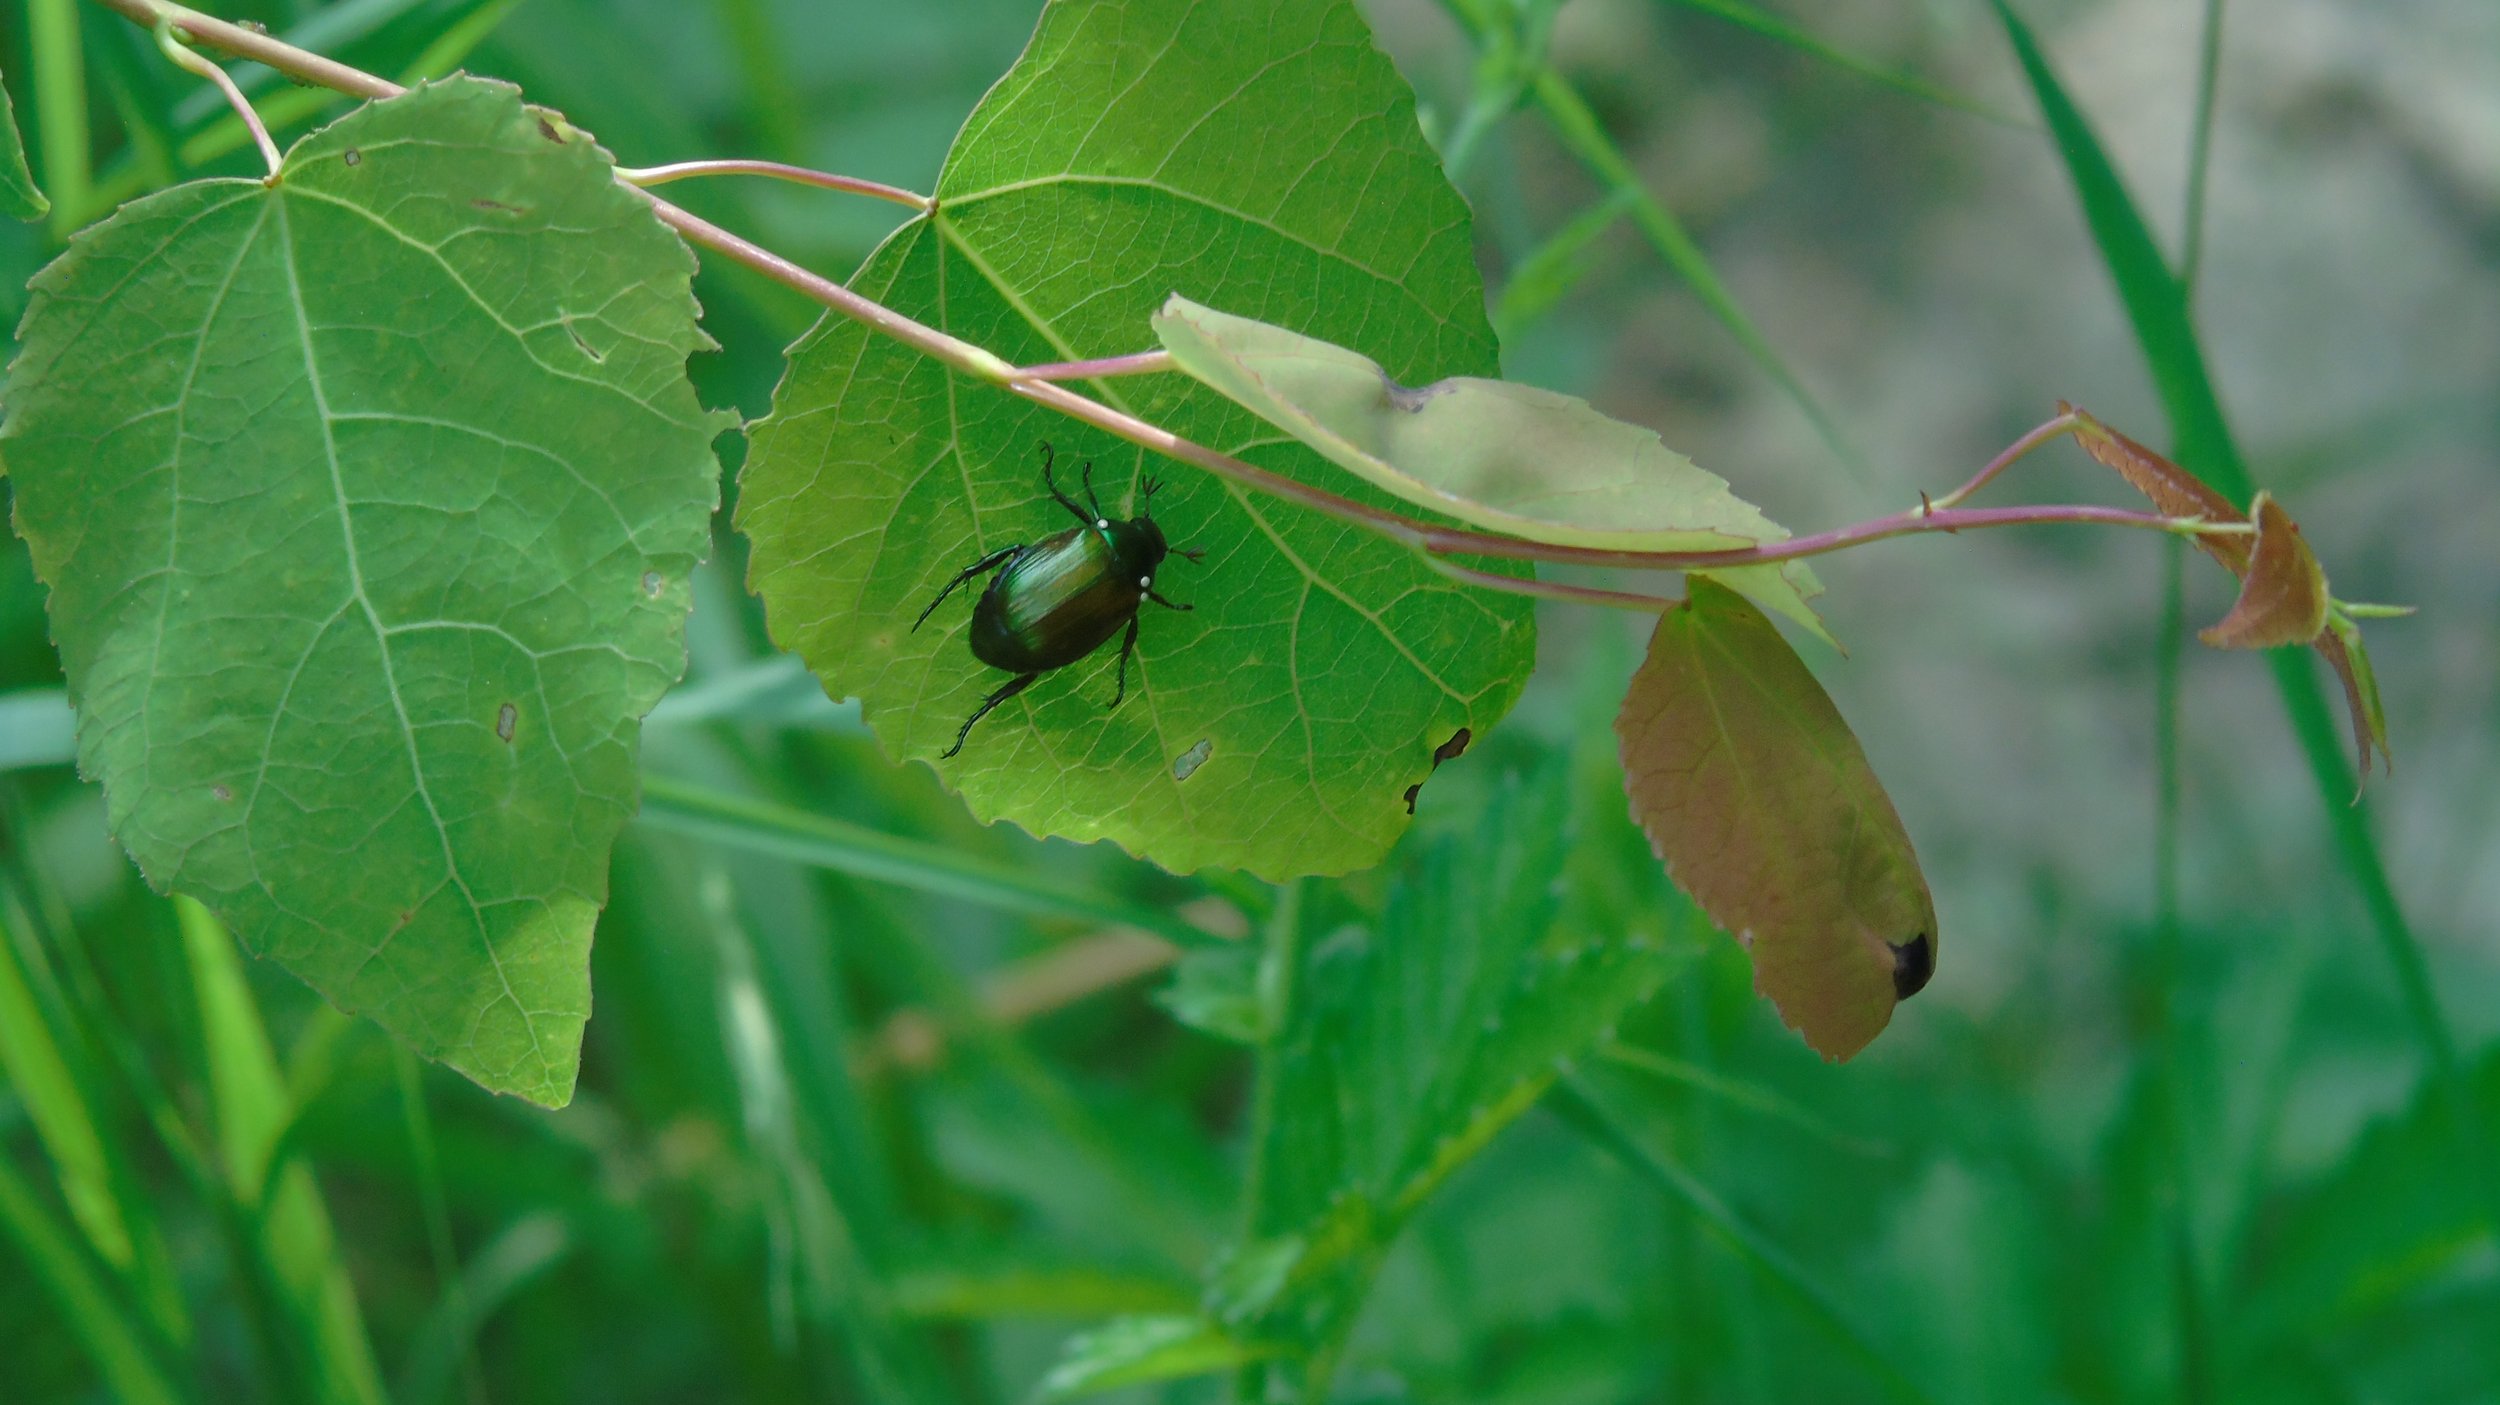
(19, 199)
(1409, 1050)
(367, 500)
(1140, 1350)
(1514, 459)
(1755, 794)
(1259, 153)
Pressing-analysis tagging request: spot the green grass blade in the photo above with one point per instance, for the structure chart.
(89, 1310)
(252, 1114)
(1551, 270)
(1570, 1100)
(1581, 133)
(1778, 30)
(56, 1103)
(760, 827)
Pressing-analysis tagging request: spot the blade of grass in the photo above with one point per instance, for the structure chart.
(1772, 27)
(1738, 1093)
(123, 1355)
(45, 1057)
(1582, 135)
(1571, 1101)
(2157, 307)
(507, 1263)
(61, 106)
(1551, 270)
(252, 1113)
(761, 827)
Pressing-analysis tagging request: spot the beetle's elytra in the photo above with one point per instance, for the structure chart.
(1054, 601)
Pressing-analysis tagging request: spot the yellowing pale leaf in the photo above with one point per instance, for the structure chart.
(1513, 459)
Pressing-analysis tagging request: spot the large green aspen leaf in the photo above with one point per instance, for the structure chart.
(367, 499)
(1260, 155)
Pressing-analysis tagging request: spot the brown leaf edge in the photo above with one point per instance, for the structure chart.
(2283, 591)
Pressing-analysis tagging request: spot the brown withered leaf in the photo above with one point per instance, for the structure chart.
(1756, 795)
(2172, 489)
(2283, 596)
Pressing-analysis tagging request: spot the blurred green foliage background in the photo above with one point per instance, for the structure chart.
(2163, 1128)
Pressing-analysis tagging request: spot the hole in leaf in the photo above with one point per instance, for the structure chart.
(222, 791)
(507, 718)
(1449, 750)
(352, 157)
(1913, 962)
(1189, 762)
(652, 583)
(587, 349)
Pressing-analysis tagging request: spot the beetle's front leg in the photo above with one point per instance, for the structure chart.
(1128, 646)
(986, 563)
(1166, 603)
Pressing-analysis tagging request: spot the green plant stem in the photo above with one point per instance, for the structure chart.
(61, 103)
(1585, 138)
(1279, 990)
(2200, 147)
(974, 361)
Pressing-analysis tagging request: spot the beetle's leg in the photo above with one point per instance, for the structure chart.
(1075, 509)
(1013, 686)
(1128, 646)
(1157, 597)
(1090, 499)
(986, 563)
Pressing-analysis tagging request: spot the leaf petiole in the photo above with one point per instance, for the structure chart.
(172, 42)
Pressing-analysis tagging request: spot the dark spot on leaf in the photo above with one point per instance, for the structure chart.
(1913, 962)
(587, 349)
(1192, 759)
(352, 156)
(222, 791)
(651, 583)
(1411, 398)
(506, 718)
(1449, 750)
(483, 203)
(546, 128)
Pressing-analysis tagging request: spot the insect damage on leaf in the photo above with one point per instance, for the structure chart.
(1757, 797)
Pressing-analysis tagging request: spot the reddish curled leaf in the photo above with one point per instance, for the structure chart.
(1755, 794)
(2283, 596)
(2173, 489)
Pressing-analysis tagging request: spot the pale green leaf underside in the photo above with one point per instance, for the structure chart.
(1257, 152)
(19, 199)
(367, 502)
(1515, 459)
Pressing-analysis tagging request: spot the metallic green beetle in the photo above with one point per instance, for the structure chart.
(1059, 599)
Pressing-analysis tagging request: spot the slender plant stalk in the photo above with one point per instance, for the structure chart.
(190, 62)
(1044, 389)
(776, 170)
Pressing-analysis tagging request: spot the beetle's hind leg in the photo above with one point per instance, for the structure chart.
(990, 562)
(1012, 687)
(1128, 646)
